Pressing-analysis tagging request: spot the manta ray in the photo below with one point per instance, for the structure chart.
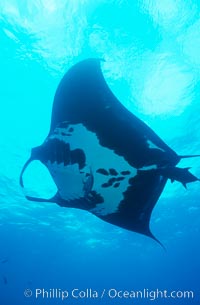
(102, 158)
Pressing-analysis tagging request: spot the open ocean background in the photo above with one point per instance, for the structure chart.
(151, 48)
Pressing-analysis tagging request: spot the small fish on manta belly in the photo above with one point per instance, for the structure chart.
(101, 157)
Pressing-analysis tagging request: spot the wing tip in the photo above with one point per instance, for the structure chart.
(157, 240)
(91, 60)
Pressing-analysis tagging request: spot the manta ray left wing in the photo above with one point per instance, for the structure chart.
(101, 157)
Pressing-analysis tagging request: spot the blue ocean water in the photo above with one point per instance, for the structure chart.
(152, 64)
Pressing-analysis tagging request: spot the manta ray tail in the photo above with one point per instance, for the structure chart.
(189, 156)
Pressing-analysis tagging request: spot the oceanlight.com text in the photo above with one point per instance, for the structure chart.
(112, 293)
